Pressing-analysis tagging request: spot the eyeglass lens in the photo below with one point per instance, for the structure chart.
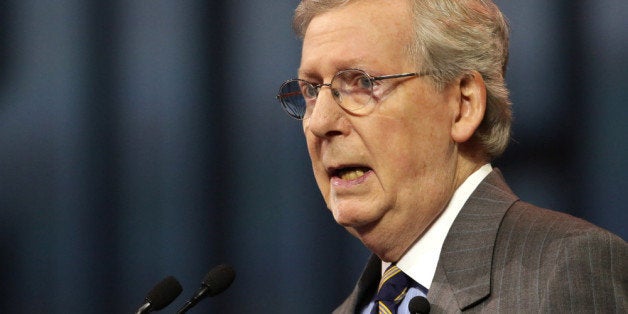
(351, 89)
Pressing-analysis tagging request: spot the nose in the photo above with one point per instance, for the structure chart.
(327, 119)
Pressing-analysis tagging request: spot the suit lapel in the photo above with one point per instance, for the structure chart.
(364, 289)
(463, 273)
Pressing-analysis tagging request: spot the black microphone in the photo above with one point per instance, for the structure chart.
(216, 281)
(161, 295)
(419, 305)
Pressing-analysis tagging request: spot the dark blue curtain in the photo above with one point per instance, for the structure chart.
(140, 139)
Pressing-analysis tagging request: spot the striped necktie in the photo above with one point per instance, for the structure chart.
(392, 288)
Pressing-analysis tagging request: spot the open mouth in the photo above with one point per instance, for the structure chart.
(350, 173)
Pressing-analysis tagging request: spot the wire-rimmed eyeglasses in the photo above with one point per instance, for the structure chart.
(352, 90)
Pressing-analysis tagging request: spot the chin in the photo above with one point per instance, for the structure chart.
(353, 217)
(347, 221)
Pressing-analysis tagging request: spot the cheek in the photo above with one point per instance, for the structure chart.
(320, 175)
(411, 147)
(405, 165)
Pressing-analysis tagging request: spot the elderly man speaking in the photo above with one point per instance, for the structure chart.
(404, 106)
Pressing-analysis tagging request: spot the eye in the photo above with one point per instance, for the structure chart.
(309, 91)
(352, 81)
(363, 82)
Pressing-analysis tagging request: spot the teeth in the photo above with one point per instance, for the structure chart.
(352, 174)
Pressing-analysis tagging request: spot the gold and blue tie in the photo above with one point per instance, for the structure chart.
(392, 288)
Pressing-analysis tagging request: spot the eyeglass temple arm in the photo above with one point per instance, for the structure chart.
(286, 95)
(385, 77)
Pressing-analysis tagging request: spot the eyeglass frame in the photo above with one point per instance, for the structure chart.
(338, 101)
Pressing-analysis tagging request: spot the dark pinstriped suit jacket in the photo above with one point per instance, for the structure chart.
(503, 255)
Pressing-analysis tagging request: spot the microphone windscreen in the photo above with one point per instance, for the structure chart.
(419, 305)
(164, 293)
(219, 279)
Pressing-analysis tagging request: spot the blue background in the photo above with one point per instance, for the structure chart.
(140, 139)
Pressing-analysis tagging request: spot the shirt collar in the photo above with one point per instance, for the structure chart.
(419, 263)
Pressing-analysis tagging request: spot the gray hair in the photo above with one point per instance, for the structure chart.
(453, 38)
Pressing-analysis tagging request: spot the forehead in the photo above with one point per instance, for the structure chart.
(360, 34)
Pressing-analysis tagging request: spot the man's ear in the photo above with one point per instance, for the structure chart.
(472, 106)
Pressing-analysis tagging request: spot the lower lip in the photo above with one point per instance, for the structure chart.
(338, 182)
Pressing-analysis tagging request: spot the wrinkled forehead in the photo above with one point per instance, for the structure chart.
(357, 34)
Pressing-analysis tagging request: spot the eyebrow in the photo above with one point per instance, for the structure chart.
(308, 75)
(345, 65)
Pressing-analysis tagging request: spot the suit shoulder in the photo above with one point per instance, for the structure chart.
(564, 262)
(547, 240)
(527, 218)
